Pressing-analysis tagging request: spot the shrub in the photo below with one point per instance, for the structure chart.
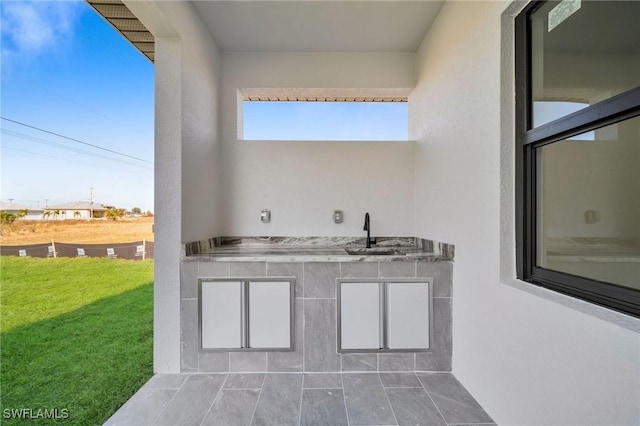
(114, 214)
(7, 218)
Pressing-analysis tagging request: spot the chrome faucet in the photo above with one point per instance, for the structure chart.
(367, 227)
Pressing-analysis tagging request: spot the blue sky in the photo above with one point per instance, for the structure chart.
(67, 71)
(325, 121)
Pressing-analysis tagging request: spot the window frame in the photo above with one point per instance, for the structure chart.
(609, 111)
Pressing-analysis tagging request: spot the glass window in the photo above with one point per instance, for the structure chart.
(578, 150)
(582, 52)
(588, 198)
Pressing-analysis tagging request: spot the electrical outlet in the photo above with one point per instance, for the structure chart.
(591, 217)
(265, 216)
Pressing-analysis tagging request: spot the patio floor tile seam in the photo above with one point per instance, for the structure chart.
(334, 388)
(344, 399)
(214, 399)
(403, 387)
(235, 389)
(301, 397)
(258, 400)
(388, 400)
(471, 424)
(168, 404)
(433, 401)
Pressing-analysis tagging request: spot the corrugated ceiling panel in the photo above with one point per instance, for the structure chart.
(144, 47)
(125, 22)
(114, 11)
(322, 99)
(139, 36)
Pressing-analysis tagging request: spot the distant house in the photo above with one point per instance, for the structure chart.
(76, 210)
(15, 208)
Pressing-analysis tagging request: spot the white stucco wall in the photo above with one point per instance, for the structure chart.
(197, 94)
(528, 357)
(187, 178)
(34, 216)
(303, 182)
(168, 213)
(200, 132)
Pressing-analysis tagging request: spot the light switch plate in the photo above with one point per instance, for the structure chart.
(338, 216)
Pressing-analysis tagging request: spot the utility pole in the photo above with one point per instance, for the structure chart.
(91, 201)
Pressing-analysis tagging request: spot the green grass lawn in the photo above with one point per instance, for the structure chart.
(76, 335)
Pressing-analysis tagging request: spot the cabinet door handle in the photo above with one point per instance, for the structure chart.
(248, 311)
(244, 314)
(383, 315)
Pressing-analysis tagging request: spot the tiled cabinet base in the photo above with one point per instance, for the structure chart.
(315, 318)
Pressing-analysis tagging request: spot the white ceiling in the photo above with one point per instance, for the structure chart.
(318, 26)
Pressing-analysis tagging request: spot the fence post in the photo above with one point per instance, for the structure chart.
(144, 248)
(53, 244)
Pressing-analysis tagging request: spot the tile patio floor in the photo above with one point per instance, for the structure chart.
(302, 399)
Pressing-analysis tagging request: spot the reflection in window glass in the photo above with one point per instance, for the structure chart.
(589, 205)
(588, 55)
(546, 112)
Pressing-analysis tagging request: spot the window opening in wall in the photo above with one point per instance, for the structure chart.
(325, 121)
(578, 203)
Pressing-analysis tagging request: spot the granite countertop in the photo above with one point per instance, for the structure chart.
(318, 249)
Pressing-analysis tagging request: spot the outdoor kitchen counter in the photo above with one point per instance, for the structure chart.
(317, 249)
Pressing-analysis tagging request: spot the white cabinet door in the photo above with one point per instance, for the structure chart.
(407, 315)
(360, 315)
(221, 313)
(269, 314)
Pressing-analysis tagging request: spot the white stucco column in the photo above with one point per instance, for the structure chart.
(168, 206)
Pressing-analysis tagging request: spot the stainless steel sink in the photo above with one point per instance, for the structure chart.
(373, 251)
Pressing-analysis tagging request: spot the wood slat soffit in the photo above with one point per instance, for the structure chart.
(126, 23)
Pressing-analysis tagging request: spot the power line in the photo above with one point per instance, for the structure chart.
(69, 148)
(75, 140)
(69, 159)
